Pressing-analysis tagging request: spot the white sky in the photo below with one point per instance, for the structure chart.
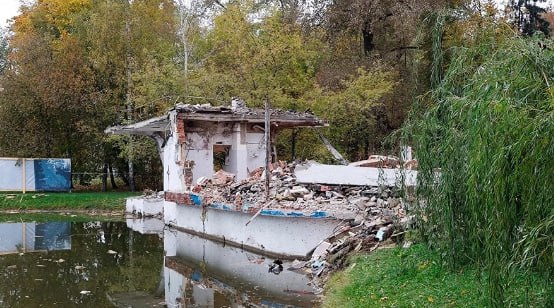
(8, 9)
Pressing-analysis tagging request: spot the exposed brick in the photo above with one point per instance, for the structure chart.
(179, 198)
(181, 130)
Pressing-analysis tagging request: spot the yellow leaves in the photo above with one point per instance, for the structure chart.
(60, 12)
(423, 265)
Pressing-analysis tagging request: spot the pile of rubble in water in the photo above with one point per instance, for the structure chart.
(371, 214)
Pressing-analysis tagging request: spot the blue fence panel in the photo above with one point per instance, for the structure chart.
(52, 174)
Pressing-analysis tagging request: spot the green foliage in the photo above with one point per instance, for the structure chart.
(79, 66)
(351, 109)
(73, 66)
(415, 277)
(484, 151)
(254, 59)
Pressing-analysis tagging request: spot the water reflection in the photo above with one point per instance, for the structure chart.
(31, 237)
(202, 273)
(75, 264)
(136, 263)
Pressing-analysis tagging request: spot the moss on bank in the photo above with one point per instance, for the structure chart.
(415, 277)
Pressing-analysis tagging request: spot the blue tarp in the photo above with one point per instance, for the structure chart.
(52, 174)
(35, 174)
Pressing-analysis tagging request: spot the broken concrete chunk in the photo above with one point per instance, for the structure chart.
(202, 181)
(297, 264)
(378, 161)
(361, 203)
(299, 191)
(411, 164)
(321, 250)
(336, 194)
(383, 233)
(223, 177)
(359, 219)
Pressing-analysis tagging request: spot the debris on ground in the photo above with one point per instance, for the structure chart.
(373, 216)
(358, 203)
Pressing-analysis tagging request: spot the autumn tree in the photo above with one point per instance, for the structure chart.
(76, 67)
(48, 93)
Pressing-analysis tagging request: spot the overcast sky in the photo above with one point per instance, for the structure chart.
(8, 9)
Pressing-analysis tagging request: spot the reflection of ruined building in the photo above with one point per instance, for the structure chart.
(202, 273)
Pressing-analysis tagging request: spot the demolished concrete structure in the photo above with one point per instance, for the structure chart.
(309, 202)
(195, 139)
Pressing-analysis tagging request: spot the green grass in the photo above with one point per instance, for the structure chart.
(415, 277)
(64, 201)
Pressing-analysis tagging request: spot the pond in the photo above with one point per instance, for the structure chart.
(80, 262)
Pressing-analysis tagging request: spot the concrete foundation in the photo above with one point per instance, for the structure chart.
(145, 207)
(287, 237)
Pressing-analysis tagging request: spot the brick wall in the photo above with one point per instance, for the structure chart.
(179, 198)
(181, 129)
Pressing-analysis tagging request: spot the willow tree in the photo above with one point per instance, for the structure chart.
(484, 145)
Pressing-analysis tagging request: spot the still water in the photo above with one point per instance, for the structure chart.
(56, 262)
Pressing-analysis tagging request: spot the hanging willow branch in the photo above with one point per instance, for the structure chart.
(486, 161)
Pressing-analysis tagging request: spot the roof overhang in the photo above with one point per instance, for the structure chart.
(278, 117)
(148, 127)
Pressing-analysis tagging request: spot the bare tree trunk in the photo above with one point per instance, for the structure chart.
(105, 177)
(128, 99)
(112, 179)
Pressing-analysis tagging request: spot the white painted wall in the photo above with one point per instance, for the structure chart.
(146, 225)
(170, 212)
(144, 206)
(172, 171)
(313, 172)
(246, 154)
(283, 235)
(175, 285)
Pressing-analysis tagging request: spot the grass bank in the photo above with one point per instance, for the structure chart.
(111, 201)
(415, 277)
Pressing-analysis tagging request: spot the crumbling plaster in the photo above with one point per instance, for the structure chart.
(189, 151)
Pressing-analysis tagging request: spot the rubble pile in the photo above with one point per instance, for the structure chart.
(372, 215)
(360, 203)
